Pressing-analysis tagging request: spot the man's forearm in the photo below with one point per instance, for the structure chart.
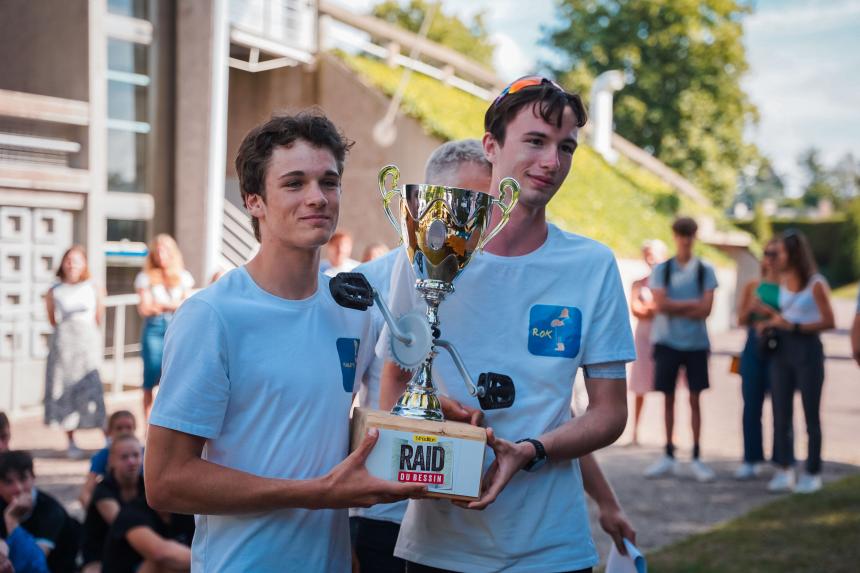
(202, 487)
(595, 483)
(601, 424)
(677, 307)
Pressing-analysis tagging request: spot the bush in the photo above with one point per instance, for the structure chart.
(835, 242)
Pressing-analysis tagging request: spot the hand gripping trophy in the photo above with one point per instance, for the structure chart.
(440, 228)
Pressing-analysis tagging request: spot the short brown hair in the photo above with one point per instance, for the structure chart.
(685, 226)
(120, 414)
(252, 160)
(550, 102)
(85, 274)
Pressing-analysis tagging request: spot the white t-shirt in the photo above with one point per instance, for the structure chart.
(378, 272)
(269, 383)
(346, 266)
(160, 293)
(536, 318)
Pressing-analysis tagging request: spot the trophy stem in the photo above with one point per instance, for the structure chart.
(420, 400)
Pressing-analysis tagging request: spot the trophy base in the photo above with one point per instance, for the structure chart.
(448, 457)
(418, 405)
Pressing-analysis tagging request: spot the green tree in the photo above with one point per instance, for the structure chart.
(819, 180)
(759, 181)
(762, 228)
(468, 38)
(686, 58)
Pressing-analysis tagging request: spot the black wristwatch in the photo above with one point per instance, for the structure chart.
(540, 455)
(796, 328)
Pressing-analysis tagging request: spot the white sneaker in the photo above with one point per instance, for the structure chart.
(663, 466)
(783, 480)
(75, 453)
(745, 471)
(808, 483)
(701, 471)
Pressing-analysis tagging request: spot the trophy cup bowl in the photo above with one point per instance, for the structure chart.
(440, 228)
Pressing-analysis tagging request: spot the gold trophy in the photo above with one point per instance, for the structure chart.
(440, 228)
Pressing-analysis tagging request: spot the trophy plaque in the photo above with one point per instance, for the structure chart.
(440, 228)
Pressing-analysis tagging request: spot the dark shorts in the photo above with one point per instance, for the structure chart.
(667, 363)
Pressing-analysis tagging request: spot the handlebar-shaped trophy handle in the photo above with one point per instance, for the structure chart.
(509, 194)
(387, 195)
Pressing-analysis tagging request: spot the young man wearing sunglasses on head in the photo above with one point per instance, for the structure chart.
(537, 305)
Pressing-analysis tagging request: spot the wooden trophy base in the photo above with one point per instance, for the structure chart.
(446, 456)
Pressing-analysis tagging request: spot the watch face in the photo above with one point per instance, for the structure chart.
(535, 466)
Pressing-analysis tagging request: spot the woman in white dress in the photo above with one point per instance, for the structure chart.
(74, 397)
(162, 285)
(644, 308)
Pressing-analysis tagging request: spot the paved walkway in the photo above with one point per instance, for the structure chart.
(663, 510)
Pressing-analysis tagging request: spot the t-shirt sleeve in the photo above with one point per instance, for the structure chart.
(655, 281)
(129, 517)
(710, 278)
(98, 463)
(195, 385)
(102, 491)
(141, 281)
(609, 338)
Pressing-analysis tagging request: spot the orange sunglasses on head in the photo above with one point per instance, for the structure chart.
(525, 82)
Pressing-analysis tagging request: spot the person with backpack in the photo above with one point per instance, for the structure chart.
(683, 289)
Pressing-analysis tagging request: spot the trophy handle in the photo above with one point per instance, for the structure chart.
(509, 190)
(388, 195)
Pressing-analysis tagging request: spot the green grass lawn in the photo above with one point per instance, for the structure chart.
(817, 533)
(620, 205)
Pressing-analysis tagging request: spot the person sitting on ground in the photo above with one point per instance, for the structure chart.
(120, 422)
(142, 539)
(5, 432)
(42, 516)
(122, 485)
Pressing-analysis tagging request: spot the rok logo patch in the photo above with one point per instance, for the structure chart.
(423, 459)
(347, 350)
(555, 330)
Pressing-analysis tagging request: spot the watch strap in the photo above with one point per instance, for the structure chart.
(540, 453)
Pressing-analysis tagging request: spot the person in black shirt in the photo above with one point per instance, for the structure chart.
(142, 540)
(122, 484)
(42, 516)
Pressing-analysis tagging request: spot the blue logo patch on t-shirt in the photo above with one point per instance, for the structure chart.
(555, 330)
(347, 350)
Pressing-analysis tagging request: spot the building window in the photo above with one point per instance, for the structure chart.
(128, 114)
(122, 230)
(130, 8)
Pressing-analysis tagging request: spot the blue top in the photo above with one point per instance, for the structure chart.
(675, 331)
(25, 555)
(98, 463)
